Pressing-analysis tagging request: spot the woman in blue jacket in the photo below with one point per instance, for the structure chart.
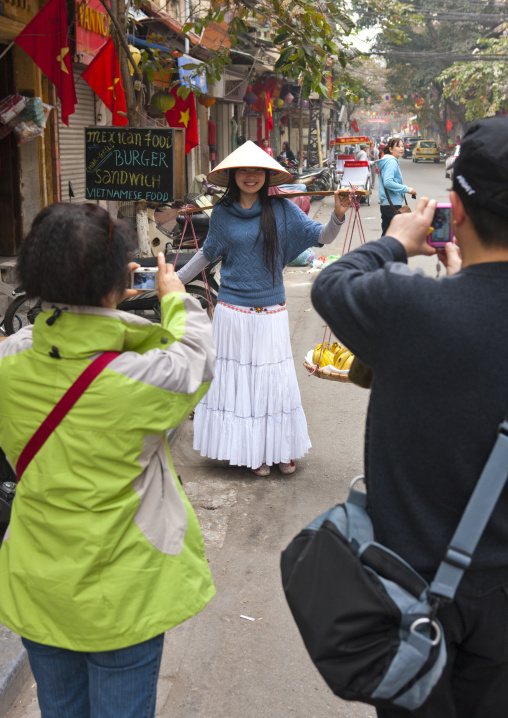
(390, 181)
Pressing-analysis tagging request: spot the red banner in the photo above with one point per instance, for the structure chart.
(104, 77)
(92, 29)
(350, 140)
(45, 39)
(358, 163)
(184, 114)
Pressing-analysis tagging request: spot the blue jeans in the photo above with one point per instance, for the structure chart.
(107, 684)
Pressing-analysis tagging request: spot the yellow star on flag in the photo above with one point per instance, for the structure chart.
(184, 118)
(61, 57)
(113, 87)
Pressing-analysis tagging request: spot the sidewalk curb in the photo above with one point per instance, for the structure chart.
(14, 666)
(14, 669)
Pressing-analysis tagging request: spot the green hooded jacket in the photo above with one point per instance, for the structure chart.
(104, 549)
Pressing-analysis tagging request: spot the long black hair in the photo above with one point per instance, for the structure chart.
(268, 222)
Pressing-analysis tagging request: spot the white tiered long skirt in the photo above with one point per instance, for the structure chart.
(252, 413)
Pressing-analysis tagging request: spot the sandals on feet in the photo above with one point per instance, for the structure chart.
(263, 470)
(287, 468)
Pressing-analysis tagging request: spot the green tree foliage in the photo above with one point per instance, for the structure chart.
(481, 87)
(311, 36)
(431, 33)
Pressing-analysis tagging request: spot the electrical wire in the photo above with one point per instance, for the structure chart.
(449, 56)
(444, 14)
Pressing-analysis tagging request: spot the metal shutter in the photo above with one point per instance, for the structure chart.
(72, 140)
(252, 133)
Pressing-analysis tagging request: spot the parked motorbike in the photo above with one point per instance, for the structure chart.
(332, 166)
(316, 179)
(164, 240)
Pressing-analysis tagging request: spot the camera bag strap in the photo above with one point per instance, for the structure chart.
(61, 409)
(474, 519)
(396, 211)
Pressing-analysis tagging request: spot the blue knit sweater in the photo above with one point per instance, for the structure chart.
(244, 278)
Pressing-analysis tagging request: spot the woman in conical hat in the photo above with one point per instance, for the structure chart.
(252, 415)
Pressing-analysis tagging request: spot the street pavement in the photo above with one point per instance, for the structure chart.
(220, 663)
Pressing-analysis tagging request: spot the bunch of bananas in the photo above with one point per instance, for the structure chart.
(335, 354)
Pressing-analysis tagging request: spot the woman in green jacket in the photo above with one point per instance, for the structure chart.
(104, 552)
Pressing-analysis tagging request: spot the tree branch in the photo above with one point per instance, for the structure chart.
(123, 40)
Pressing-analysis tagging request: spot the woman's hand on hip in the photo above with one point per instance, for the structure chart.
(168, 281)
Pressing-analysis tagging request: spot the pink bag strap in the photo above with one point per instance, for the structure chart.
(61, 409)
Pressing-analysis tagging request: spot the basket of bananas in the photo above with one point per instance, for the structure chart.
(329, 361)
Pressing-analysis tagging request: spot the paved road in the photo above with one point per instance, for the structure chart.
(219, 664)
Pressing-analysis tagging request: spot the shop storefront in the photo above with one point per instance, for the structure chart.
(25, 161)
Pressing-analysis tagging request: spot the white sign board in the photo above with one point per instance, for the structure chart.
(355, 174)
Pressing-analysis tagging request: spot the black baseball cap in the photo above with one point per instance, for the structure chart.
(480, 172)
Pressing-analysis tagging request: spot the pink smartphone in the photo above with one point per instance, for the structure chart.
(442, 226)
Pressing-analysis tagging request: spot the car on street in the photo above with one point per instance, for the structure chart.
(426, 150)
(450, 161)
(409, 144)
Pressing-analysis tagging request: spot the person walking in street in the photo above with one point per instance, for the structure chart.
(433, 416)
(391, 186)
(103, 553)
(252, 416)
(265, 145)
(373, 155)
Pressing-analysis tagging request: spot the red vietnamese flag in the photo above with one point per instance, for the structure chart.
(354, 126)
(269, 116)
(449, 126)
(104, 77)
(45, 39)
(262, 104)
(184, 114)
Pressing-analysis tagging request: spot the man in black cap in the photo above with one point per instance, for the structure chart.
(439, 354)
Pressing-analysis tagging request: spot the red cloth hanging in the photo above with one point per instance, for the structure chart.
(211, 133)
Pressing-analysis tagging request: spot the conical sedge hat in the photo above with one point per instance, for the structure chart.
(249, 155)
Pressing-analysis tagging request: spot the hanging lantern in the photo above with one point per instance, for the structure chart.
(250, 98)
(206, 101)
(162, 101)
(249, 88)
(284, 120)
(136, 54)
(289, 98)
(278, 102)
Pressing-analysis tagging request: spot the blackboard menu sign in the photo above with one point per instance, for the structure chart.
(129, 163)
